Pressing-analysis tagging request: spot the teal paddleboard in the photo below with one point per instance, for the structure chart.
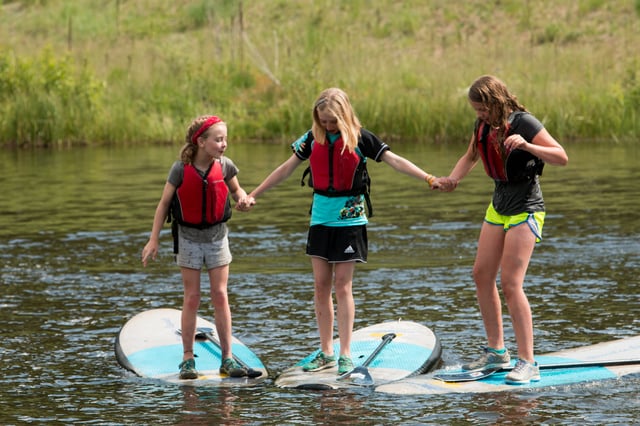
(618, 358)
(149, 344)
(399, 348)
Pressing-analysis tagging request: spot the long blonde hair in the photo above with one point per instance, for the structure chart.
(335, 101)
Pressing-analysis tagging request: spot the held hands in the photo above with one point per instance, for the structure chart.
(245, 204)
(444, 184)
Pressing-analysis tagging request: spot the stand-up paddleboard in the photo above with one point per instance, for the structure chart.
(608, 360)
(381, 353)
(150, 345)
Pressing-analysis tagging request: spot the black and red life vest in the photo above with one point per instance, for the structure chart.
(201, 202)
(511, 165)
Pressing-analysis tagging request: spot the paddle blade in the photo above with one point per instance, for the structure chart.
(465, 376)
(358, 376)
(201, 332)
(252, 374)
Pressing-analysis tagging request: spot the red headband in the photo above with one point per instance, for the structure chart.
(210, 122)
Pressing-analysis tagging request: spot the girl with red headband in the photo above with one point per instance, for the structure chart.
(195, 199)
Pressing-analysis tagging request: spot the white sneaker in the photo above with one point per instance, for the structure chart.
(523, 373)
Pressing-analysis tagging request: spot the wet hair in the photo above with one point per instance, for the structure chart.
(493, 94)
(335, 101)
(190, 148)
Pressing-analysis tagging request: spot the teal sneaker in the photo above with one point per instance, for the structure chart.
(344, 364)
(188, 369)
(231, 368)
(523, 373)
(489, 359)
(320, 362)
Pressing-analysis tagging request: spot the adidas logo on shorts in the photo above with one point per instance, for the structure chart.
(349, 250)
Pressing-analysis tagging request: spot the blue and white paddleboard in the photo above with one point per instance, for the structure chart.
(399, 348)
(149, 344)
(618, 357)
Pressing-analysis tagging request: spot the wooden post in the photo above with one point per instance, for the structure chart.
(241, 23)
(117, 17)
(69, 34)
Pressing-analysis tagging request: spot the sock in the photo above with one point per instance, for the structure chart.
(498, 351)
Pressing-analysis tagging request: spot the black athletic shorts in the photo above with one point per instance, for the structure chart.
(338, 243)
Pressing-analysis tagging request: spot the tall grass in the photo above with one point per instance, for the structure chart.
(139, 71)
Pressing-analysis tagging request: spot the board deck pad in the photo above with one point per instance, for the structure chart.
(621, 349)
(149, 344)
(414, 350)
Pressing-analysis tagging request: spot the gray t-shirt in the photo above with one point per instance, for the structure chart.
(213, 233)
(511, 198)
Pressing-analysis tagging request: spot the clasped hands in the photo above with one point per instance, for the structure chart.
(444, 184)
(245, 204)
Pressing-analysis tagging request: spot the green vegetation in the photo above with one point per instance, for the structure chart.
(125, 71)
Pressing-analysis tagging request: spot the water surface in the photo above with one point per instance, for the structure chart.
(73, 224)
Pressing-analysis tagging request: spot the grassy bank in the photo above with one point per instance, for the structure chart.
(124, 71)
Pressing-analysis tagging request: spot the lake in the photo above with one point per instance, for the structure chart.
(74, 221)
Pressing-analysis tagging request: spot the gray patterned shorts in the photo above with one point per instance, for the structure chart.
(211, 251)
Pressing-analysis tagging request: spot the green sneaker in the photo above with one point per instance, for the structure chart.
(320, 362)
(232, 369)
(489, 359)
(188, 369)
(344, 364)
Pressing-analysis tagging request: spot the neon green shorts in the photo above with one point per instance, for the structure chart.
(534, 220)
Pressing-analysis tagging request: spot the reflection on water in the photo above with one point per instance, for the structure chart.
(74, 223)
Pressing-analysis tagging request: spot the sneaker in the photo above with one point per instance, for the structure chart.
(232, 368)
(188, 369)
(489, 359)
(320, 362)
(344, 364)
(523, 373)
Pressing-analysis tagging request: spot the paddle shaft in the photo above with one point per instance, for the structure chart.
(585, 364)
(250, 371)
(482, 374)
(385, 340)
(364, 378)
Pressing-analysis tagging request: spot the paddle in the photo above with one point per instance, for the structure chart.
(206, 333)
(468, 376)
(360, 375)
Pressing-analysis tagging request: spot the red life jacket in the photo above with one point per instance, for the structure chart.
(515, 166)
(494, 164)
(337, 173)
(201, 202)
